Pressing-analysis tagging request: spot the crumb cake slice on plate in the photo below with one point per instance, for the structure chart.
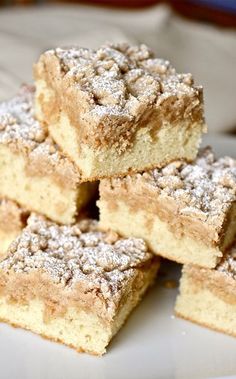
(33, 171)
(118, 109)
(73, 284)
(185, 212)
(208, 296)
(12, 221)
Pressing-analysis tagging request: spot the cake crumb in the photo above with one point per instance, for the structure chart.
(77, 254)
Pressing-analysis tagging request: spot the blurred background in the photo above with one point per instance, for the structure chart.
(197, 36)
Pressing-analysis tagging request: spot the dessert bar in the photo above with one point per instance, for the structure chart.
(73, 284)
(118, 109)
(185, 212)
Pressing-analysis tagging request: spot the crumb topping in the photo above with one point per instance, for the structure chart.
(228, 264)
(17, 121)
(207, 187)
(115, 91)
(21, 131)
(77, 254)
(119, 78)
(204, 189)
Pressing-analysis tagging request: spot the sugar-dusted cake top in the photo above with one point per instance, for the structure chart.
(109, 94)
(20, 130)
(207, 187)
(17, 121)
(228, 263)
(79, 254)
(204, 189)
(120, 78)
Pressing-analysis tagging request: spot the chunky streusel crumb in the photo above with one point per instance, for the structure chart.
(77, 253)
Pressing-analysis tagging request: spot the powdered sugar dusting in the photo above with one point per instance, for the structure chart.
(117, 90)
(207, 187)
(18, 125)
(120, 77)
(17, 122)
(78, 253)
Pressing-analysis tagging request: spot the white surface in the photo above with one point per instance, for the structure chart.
(152, 345)
(209, 53)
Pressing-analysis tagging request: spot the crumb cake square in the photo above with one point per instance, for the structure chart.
(73, 284)
(33, 171)
(118, 109)
(185, 212)
(12, 221)
(208, 296)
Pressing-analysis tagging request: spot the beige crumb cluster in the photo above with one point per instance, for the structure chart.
(79, 252)
(204, 189)
(108, 102)
(193, 206)
(74, 270)
(33, 170)
(120, 80)
(12, 221)
(208, 297)
(207, 188)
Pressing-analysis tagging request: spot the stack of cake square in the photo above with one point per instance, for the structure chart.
(61, 277)
(123, 117)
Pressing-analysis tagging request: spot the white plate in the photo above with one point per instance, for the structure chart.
(153, 343)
